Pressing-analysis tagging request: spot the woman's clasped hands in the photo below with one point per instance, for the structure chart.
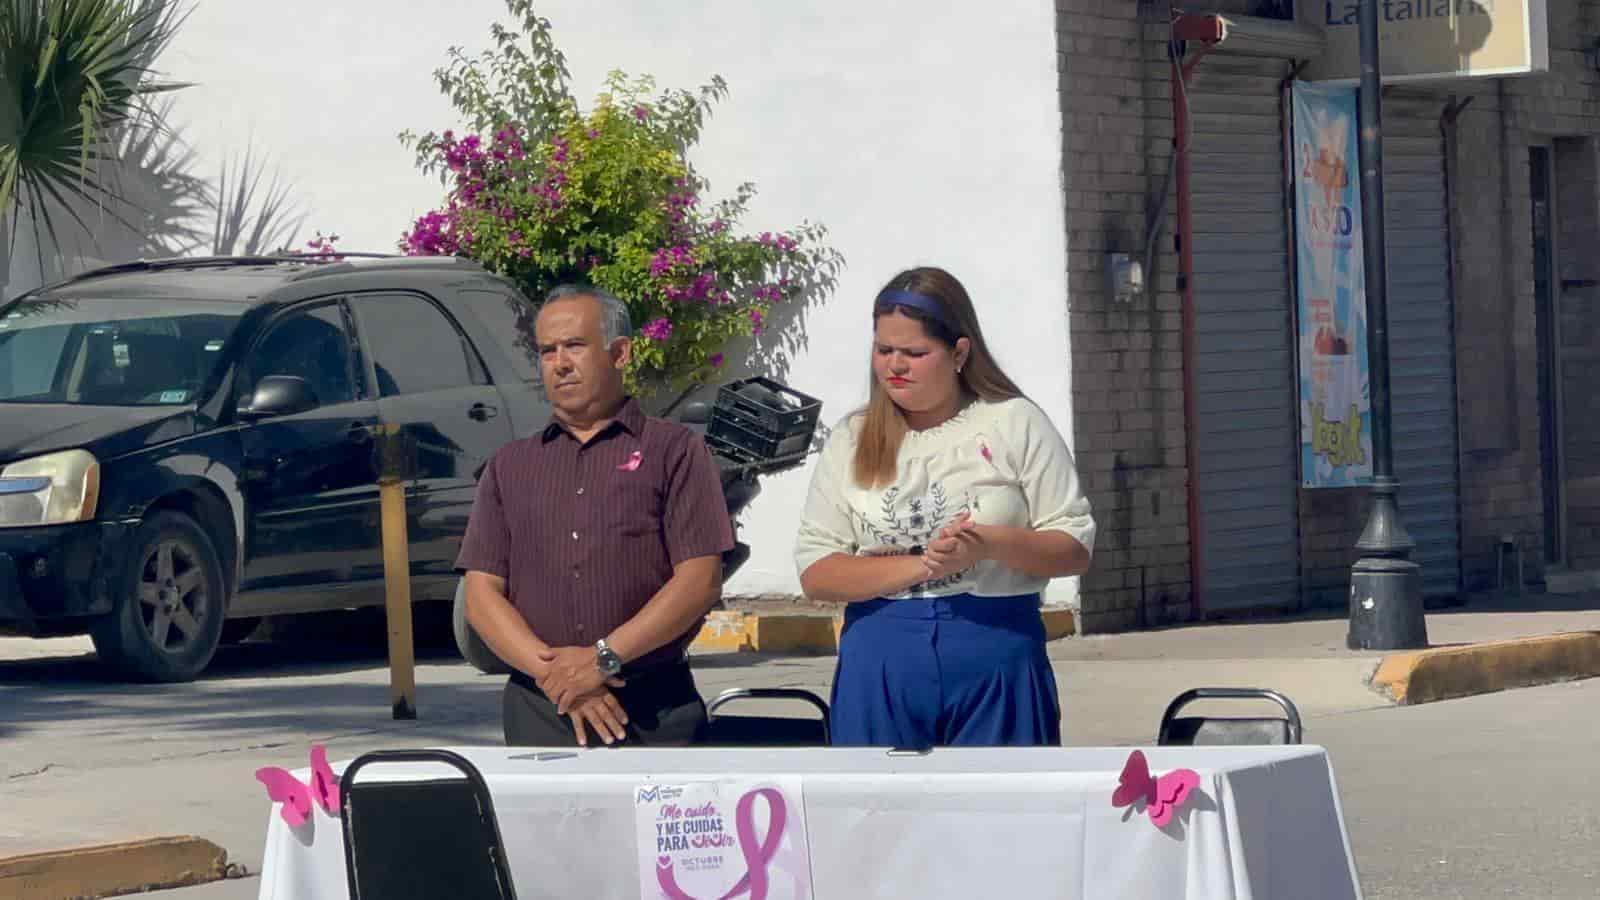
(958, 547)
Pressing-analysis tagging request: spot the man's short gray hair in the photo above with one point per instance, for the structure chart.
(614, 316)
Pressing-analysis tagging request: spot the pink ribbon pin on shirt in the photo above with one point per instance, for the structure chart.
(632, 465)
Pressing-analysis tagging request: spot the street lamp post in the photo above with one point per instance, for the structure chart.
(1385, 585)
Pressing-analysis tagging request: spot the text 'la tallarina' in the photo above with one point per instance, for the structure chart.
(1348, 12)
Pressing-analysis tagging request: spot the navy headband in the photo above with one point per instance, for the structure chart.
(919, 302)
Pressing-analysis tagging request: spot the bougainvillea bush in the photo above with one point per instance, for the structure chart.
(545, 192)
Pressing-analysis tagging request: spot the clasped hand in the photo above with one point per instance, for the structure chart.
(573, 682)
(959, 546)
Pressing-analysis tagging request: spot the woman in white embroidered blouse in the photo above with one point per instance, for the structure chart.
(937, 514)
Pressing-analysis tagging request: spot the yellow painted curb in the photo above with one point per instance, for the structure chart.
(723, 632)
(109, 870)
(794, 634)
(1444, 673)
(726, 631)
(1059, 623)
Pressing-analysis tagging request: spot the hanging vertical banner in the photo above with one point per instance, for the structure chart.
(1335, 403)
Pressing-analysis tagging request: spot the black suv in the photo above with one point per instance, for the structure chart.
(187, 445)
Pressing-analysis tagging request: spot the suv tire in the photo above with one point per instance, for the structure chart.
(472, 647)
(168, 621)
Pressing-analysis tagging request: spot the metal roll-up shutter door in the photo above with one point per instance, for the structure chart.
(1421, 343)
(1244, 369)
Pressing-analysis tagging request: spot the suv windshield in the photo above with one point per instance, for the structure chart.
(132, 352)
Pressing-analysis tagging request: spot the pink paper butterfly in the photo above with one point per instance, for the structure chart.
(1162, 796)
(632, 465)
(297, 796)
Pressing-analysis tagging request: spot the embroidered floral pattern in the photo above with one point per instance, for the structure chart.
(908, 524)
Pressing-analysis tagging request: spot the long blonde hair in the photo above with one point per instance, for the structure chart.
(884, 425)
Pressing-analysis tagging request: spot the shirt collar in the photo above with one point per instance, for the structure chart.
(629, 418)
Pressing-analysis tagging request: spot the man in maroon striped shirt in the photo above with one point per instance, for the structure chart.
(594, 549)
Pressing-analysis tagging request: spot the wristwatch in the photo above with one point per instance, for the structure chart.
(609, 663)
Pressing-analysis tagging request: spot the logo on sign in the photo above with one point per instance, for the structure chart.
(1327, 169)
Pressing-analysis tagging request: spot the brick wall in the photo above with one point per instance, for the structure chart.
(1577, 211)
(1127, 362)
(1496, 374)
(1496, 321)
(1126, 358)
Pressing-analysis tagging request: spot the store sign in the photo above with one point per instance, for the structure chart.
(1432, 40)
(1335, 401)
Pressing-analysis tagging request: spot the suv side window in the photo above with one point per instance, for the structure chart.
(312, 344)
(509, 317)
(415, 347)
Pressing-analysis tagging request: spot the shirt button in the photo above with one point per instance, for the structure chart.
(580, 492)
(574, 535)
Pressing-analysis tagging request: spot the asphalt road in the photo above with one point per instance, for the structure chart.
(1487, 797)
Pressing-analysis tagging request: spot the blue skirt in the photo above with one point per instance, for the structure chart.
(959, 670)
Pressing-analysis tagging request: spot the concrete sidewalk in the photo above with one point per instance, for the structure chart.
(88, 761)
(1491, 644)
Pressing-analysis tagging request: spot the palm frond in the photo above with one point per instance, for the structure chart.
(72, 73)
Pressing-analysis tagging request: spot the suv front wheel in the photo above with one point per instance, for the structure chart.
(168, 621)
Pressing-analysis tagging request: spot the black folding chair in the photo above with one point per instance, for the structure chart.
(724, 730)
(421, 840)
(1198, 731)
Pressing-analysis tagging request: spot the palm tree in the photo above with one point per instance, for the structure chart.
(75, 75)
(160, 205)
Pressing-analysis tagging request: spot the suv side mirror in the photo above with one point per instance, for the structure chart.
(280, 395)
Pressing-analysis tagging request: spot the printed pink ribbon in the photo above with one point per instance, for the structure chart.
(757, 854)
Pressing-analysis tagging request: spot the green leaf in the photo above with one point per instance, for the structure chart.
(74, 75)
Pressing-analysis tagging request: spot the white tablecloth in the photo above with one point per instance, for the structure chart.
(1265, 823)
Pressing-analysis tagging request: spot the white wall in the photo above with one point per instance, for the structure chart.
(919, 131)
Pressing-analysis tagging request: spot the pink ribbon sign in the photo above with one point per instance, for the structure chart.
(757, 853)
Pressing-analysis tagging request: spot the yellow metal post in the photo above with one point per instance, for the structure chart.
(397, 573)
